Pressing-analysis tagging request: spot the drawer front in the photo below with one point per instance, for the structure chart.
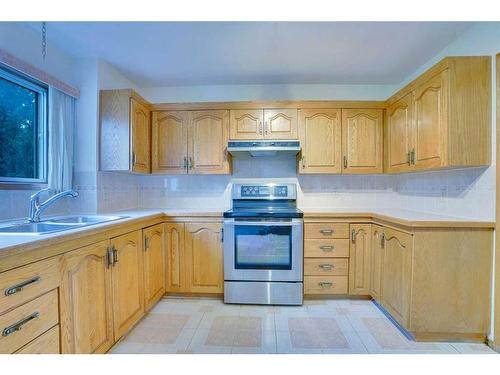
(47, 343)
(22, 284)
(325, 284)
(326, 248)
(326, 230)
(31, 320)
(326, 266)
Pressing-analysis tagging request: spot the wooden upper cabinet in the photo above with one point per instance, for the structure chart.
(208, 135)
(169, 142)
(175, 278)
(246, 124)
(359, 260)
(154, 264)
(399, 128)
(280, 124)
(86, 292)
(320, 139)
(141, 135)
(376, 261)
(430, 125)
(128, 281)
(362, 140)
(203, 258)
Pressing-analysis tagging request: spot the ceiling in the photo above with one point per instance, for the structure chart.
(219, 53)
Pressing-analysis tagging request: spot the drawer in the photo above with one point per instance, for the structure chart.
(22, 284)
(326, 230)
(47, 343)
(32, 319)
(326, 266)
(326, 248)
(325, 284)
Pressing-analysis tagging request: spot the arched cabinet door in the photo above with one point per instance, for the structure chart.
(154, 264)
(175, 278)
(246, 124)
(169, 142)
(376, 261)
(141, 135)
(399, 129)
(359, 259)
(280, 124)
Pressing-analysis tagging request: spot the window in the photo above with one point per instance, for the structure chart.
(23, 129)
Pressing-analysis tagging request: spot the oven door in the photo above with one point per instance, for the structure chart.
(263, 250)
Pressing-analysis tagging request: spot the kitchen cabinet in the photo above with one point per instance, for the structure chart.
(362, 141)
(87, 324)
(399, 130)
(175, 258)
(128, 281)
(376, 261)
(203, 257)
(360, 259)
(320, 139)
(169, 142)
(256, 124)
(47, 343)
(154, 264)
(125, 132)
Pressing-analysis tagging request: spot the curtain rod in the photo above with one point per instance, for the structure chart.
(32, 71)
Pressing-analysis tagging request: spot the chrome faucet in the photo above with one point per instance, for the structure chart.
(36, 208)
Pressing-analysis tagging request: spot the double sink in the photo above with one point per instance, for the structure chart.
(56, 224)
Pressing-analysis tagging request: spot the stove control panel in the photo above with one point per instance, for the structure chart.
(263, 191)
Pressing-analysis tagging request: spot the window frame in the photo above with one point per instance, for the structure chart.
(29, 83)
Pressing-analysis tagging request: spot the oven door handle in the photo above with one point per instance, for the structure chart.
(265, 223)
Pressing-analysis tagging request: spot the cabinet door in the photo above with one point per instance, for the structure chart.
(362, 141)
(280, 124)
(154, 264)
(320, 141)
(359, 262)
(169, 142)
(246, 124)
(175, 258)
(399, 125)
(396, 284)
(204, 268)
(208, 134)
(128, 281)
(376, 261)
(86, 292)
(430, 128)
(141, 134)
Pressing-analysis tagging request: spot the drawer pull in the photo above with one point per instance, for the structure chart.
(19, 287)
(326, 231)
(327, 248)
(326, 267)
(17, 326)
(325, 284)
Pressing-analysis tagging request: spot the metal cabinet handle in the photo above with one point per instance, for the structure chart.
(260, 127)
(382, 240)
(146, 243)
(303, 161)
(134, 158)
(412, 156)
(115, 256)
(327, 248)
(324, 284)
(109, 255)
(17, 326)
(185, 164)
(326, 267)
(345, 162)
(353, 235)
(19, 287)
(408, 158)
(326, 231)
(266, 125)
(190, 163)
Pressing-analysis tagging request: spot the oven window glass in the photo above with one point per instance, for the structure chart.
(263, 247)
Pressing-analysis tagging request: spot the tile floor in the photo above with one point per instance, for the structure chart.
(182, 325)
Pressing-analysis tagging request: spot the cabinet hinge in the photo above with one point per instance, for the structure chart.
(222, 235)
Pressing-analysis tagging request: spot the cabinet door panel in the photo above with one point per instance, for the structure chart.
(359, 262)
(362, 140)
(141, 134)
(169, 142)
(399, 125)
(246, 124)
(154, 264)
(204, 258)
(431, 123)
(175, 258)
(280, 124)
(320, 138)
(128, 282)
(376, 261)
(207, 142)
(87, 314)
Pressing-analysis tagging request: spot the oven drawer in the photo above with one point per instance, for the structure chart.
(326, 248)
(325, 284)
(28, 321)
(326, 230)
(47, 343)
(326, 266)
(22, 284)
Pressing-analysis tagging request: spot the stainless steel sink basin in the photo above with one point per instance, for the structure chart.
(84, 219)
(34, 228)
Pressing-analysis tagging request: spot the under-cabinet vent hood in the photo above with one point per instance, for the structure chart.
(263, 148)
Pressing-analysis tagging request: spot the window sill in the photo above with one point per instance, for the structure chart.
(22, 186)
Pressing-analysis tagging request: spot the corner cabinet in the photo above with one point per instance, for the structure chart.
(255, 124)
(359, 259)
(125, 132)
(154, 264)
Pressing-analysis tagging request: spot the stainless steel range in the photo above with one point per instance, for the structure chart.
(263, 245)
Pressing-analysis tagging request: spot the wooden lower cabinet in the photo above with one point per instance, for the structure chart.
(376, 261)
(154, 264)
(359, 261)
(87, 313)
(47, 343)
(175, 276)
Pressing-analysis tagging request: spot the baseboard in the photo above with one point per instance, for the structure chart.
(335, 296)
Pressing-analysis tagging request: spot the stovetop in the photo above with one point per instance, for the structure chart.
(258, 213)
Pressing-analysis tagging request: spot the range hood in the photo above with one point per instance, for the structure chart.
(263, 148)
